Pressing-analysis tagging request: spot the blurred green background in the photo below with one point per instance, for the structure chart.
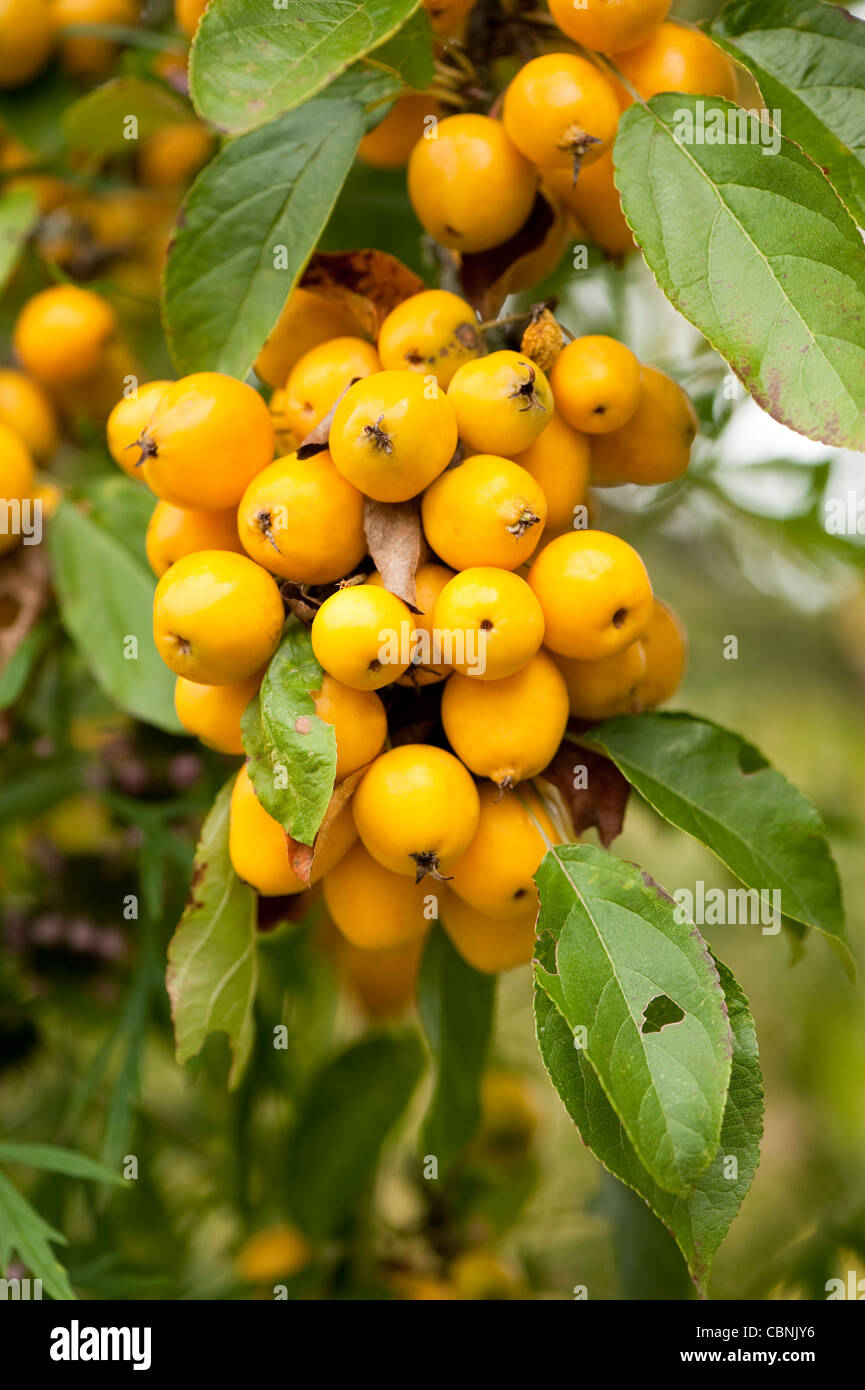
(94, 807)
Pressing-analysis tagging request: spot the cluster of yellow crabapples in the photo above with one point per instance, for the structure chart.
(473, 178)
(523, 615)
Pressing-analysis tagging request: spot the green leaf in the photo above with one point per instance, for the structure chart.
(700, 1220)
(252, 62)
(716, 787)
(23, 1232)
(352, 1105)
(456, 1005)
(19, 667)
(212, 973)
(759, 253)
(649, 1262)
(292, 753)
(19, 213)
(95, 123)
(54, 1159)
(808, 60)
(106, 597)
(405, 60)
(617, 948)
(222, 292)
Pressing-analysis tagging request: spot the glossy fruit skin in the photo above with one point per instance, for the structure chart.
(207, 438)
(300, 519)
(654, 446)
(595, 594)
(390, 143)
(129, 417)
(173, 532)
(62, 332)
(306, 320)
(494, 875)
(678, 59)
(559, 462)
(317, 380)
(26, 409)
(278, 1252)
(607, 687)
(595, 203)
(609, 26)
(257, 844)
(502, 614)
(392, 434)
(596, 384)
(485, 511)
(213, 712)
(350, 631)
(358, 719)
(416, 810)
(470, 187)
(665, 646)
(489, 944)
(433, 332)
(92, 58)
(27, 34)
(16, 481)
(507, 730)
(187, 13)
(173, 155)
(372, 907)
(502, 403)
(217, 617)
(560, 111)
(429, 582)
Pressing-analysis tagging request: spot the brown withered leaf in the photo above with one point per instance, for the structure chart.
(601, 802)
(316, 441)
(395, 540)
(305, 857)
(488, 277)
(272, 912)
(304, 606)
(370, 283)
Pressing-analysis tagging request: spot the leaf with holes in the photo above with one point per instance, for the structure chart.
(716, 787)
(699, 1220)
(292, 753)
(619, 960)
(252, 62)
(758, 252)
(212, 973)
(224, 287)
(808, 59)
